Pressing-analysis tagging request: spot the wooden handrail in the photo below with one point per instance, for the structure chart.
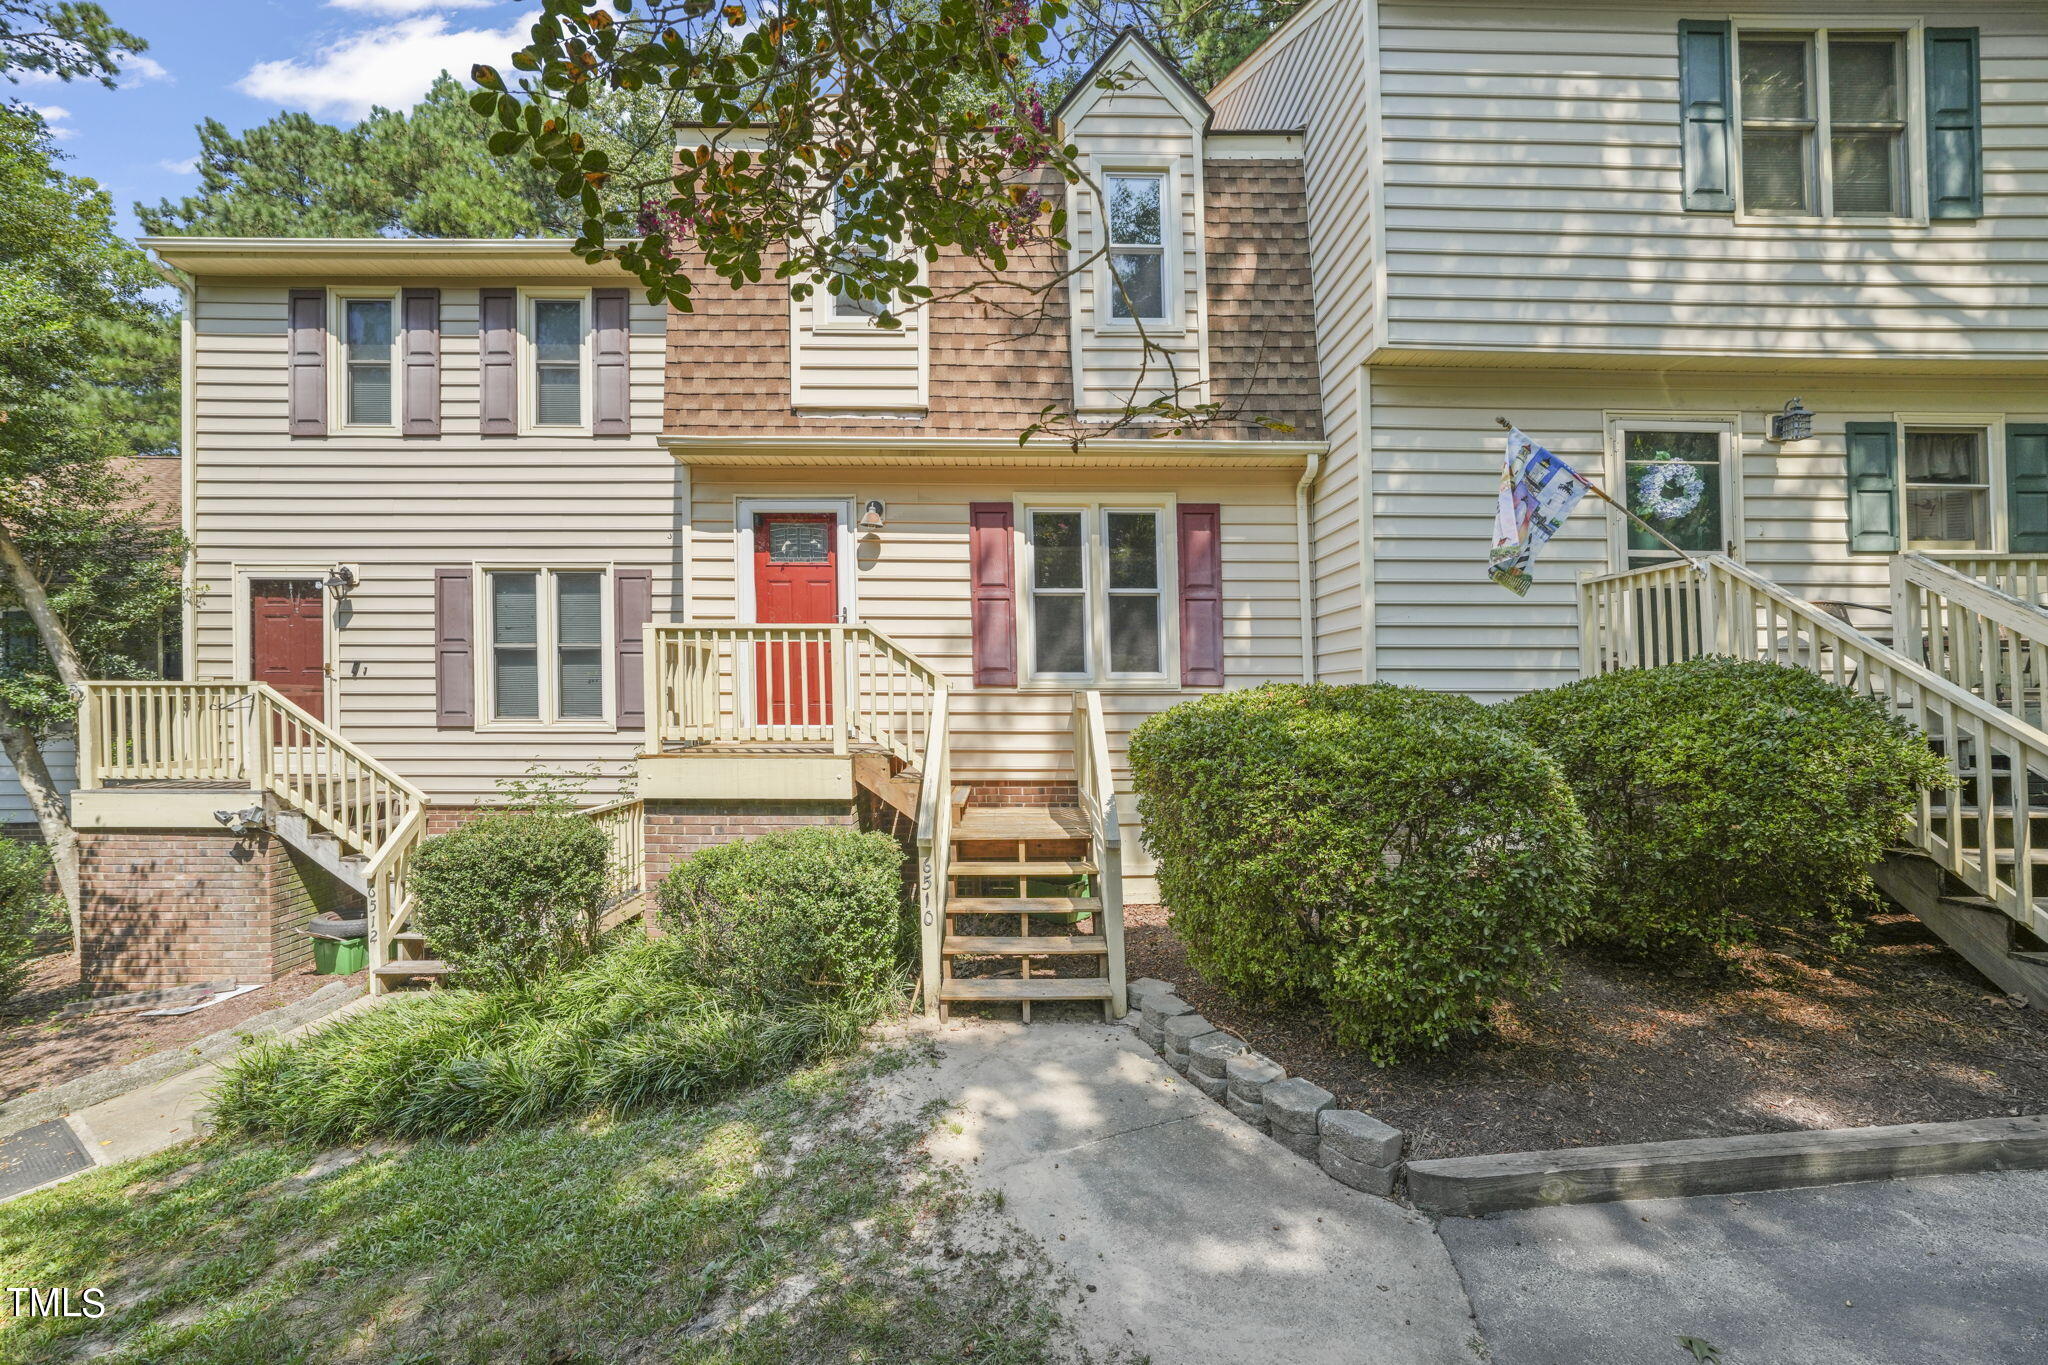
(1984, 640)
(2023, 574)
(1097, 780)
(934, 843)
(1982, 829)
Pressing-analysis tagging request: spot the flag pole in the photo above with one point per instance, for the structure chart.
(1601, 494)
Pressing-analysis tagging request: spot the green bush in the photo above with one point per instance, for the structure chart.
(630, 1027)
(27, 909)
(1398, 856)
(511, 895)
(1723, 797)
(791, 915)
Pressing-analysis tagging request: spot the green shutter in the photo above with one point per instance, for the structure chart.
(2026, 486)
(1704, 129)
(1955, 125)
(1874, 487)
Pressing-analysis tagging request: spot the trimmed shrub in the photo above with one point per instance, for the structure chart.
(511, 895)
(1724, 797)
(1399, 856)
(26, 909)
(631, 1027)
(791, 915)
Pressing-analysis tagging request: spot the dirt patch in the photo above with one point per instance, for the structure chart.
(1790, 1037)
(37, 1049)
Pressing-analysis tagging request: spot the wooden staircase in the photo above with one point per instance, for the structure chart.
(1009, 936)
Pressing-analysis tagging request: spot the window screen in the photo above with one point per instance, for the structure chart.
(515, 646)
(558, 362)
(1059, 604)
(368, 331)
(1131, 540)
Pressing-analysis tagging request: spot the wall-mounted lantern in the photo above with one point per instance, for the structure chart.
(340, 579)
(1795, 423)
(874, 514)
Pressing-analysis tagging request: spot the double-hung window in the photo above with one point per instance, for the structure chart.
(1097, 593)
(1137, 247)
(1824, 130)
(1947, 489)
(847, 307)
(369, 336)
(546, 630)
(557, 330)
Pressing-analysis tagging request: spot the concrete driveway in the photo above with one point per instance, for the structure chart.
(1951, 1270)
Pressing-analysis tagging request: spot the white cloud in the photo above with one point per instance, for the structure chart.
(396, 8)
(135, 69)
(392, 65)
(54, 115)
(186, 167)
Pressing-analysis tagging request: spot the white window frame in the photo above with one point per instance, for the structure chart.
(1729, 428)
(1095, 593)
(547, 645)
(1991, 426)
(1816, 29)
(529, 363)
(337, 365)
(1171, 320)
(825, 316)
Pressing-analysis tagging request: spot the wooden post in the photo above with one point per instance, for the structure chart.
(653, 702)
(841, 674)
(88, 738)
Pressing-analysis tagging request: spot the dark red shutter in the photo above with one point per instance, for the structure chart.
(497, 344)
(633, 608)
(421, 310)
(306, 361)
(610, 371)
(994, 610)
(1201, 595)
(454, 650)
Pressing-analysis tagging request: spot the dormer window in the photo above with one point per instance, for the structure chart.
(852, 307)
(1137, 246)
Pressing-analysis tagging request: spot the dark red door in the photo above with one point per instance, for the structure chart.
(796, 580)
(287, 640)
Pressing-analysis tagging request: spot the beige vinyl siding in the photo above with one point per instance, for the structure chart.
(840, 364)
(400, 508)
(58, 755)
(1436, 475)
(911, 582)
(1316, 74)
(1533, 197)
(1139, 129)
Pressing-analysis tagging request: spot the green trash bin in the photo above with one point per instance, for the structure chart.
(340, 956)
(340, 946)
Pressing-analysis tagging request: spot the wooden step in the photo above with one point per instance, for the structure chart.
(406, 968)
(410, 939)
(1021, 822)
(1022, 905)
(1073, 945)
(1037, 988)
(1047, 867)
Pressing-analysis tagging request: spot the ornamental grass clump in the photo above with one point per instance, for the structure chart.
(631, 1027)
(1399, 857)
(1726, 797)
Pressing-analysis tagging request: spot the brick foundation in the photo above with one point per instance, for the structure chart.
(1024, 793)
(676, 829)
(178, 907)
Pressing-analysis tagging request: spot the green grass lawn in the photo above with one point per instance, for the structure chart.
(795, 1223)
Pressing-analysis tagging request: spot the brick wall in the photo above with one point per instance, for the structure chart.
(676, 829)
(179, 907)
(1024, 794)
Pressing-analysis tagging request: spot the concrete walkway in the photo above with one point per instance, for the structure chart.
(1208, 1244)
(167, 1113)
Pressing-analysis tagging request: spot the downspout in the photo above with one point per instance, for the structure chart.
(1302, 558)
(188, 458)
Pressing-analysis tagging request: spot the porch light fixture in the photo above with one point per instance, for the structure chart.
(242, 821)
(874, 514)
(1795, 423)
(339, 580)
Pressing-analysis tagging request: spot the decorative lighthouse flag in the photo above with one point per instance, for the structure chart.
(1537, 492)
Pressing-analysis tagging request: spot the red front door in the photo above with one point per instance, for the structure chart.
(796, 580)
(287, 640)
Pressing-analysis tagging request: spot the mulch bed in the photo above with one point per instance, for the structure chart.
(37, 1049)
(1789, 1037)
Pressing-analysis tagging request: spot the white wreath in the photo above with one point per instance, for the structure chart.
(1668, 490)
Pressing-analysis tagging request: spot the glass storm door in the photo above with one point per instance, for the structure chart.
(1677, 481)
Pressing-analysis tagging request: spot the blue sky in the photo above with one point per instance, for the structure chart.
(241, 61)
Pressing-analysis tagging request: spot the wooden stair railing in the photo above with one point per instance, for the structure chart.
(1981, 831)
(1982, 639)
